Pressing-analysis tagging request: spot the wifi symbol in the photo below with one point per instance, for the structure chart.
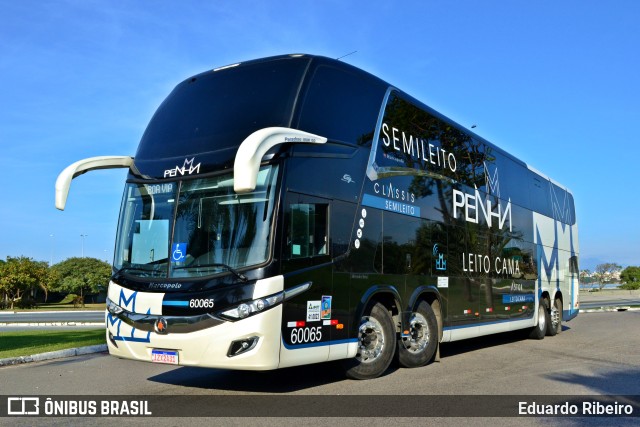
(435, 249)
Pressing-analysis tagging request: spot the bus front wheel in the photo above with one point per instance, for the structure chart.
(418, 348)
(376, 345)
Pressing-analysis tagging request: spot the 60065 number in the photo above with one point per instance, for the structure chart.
(201, 303)
(304, 335)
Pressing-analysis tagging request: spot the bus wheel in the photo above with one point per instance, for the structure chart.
(538, 332)
(419, 347)
(376, 345)
(555, 325)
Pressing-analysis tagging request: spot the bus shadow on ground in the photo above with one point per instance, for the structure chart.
(297, 378)
(608, 382)
(472, 344)
(284, 380)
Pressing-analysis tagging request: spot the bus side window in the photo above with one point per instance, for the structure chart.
(573, 265)
(308, 230)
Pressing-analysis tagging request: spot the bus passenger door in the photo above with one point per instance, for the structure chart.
(306, 259)
(465, 273)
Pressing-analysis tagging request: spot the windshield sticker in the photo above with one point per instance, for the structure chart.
(326, 307)
(313, 311)
(178, 252)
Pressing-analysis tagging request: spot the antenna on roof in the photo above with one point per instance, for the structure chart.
(343, 56)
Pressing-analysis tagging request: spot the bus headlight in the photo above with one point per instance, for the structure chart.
(113, 308)
(246, 309)
(243, 311)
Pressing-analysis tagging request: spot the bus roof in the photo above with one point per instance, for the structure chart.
(207, 116)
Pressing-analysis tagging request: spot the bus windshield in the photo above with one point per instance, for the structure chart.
(194, 228)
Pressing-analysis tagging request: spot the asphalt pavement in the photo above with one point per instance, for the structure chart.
(607, 300)
(595, 355)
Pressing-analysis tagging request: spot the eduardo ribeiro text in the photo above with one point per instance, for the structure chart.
(567, 408)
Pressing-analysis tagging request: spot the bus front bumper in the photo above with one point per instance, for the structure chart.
(252, 343)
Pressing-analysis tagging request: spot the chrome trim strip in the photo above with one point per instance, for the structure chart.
(175, 324)
(296, 290)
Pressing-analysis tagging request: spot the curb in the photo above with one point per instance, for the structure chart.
(70, 352)
(609, 309)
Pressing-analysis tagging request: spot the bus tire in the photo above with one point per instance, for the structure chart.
(376, 345)
(539, 331)
(418, 349)
(555, 318)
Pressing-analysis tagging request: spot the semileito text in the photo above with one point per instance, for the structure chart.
(418, 148)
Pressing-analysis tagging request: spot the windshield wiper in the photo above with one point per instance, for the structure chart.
(149, 272)
(217, 264)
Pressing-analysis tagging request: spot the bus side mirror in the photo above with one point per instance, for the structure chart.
(83, 166)
(254, 147)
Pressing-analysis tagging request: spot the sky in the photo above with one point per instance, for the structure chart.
(555, 83)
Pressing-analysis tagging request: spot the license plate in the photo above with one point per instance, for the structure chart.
(164, 356)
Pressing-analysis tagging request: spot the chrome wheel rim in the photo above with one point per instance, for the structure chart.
(370, 340)
(555, 317)
(419, 334)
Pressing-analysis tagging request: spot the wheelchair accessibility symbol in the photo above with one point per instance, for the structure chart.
(178, 252)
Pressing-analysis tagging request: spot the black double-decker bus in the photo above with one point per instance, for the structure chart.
(295, 209)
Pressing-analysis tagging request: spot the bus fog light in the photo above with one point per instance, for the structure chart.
(242, 346)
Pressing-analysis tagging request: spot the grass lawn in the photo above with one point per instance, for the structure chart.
(26, 343)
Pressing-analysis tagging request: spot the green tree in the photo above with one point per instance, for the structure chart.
(605, 272)
(82, 276)
(630, 277)
(22, 276)
(585, 276)
(4, 298)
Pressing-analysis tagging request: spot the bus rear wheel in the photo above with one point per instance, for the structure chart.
(419, 347)
(555, 324)
(539, 331)
(376, 345)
